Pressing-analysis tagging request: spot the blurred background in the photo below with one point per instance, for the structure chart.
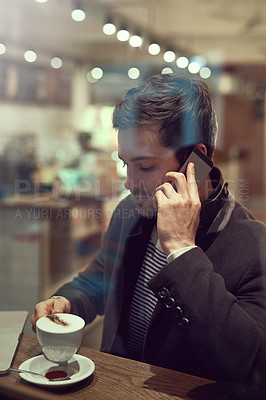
(63, 66)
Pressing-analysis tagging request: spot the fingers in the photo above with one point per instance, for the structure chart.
(167, 189)
(51, 306)
(178, 189)
(185, 185)
(164, 190)
(61, 305)
(192, 183)
(41, 309)
(178, 181)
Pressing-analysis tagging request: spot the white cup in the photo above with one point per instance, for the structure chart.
(60, 336)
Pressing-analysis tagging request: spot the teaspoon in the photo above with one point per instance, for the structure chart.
(62, 378)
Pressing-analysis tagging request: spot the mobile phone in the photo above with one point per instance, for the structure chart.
(203, 165)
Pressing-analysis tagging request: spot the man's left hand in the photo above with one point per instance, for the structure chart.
(177, 210)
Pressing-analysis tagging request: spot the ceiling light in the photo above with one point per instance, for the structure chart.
(205, 72)
(193, 67)
(30, 56)
(167, 70)
(182, 62)
(135, 41)
(78, 14)
(41, 1)
(2, 48)
(56, 62)
(123, 35)
(97, 73)
(154, 49)
(109, 28)
(133, 73)
(169, 56)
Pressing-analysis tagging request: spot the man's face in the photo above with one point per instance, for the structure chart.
(147, 162)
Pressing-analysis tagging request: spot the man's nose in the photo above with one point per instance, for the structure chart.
(128, 183)
(131, 181)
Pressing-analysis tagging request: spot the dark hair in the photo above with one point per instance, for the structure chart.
(184, 108)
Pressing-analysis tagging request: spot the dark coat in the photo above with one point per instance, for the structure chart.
(210, 319)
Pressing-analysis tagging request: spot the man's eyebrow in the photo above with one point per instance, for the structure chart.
(139, 158)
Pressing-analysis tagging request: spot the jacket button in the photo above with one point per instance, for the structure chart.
(177, 312)
(163, 293)
(184, 323)
(170, 302)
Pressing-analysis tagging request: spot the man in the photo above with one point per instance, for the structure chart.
(179, 276)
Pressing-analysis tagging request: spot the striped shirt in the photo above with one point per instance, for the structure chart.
(143, 300)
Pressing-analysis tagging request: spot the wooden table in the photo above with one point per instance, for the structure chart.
(114, 378)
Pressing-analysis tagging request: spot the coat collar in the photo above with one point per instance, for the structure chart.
(213, 210)
(214, 203)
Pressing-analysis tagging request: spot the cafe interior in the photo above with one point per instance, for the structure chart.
(64, 64)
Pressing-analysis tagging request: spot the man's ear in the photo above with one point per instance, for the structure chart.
(201, 147)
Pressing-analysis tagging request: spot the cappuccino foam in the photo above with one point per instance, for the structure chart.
(62, 323)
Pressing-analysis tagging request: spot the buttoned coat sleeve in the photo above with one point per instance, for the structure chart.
(217, 300)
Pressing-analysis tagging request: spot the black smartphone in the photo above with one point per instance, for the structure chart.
(203, 165)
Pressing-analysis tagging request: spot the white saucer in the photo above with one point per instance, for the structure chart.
(78, 368)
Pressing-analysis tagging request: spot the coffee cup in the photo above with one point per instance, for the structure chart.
(60, 335)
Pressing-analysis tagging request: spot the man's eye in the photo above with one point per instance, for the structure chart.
(147, 169)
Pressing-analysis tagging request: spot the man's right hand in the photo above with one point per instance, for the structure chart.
(47, 307)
